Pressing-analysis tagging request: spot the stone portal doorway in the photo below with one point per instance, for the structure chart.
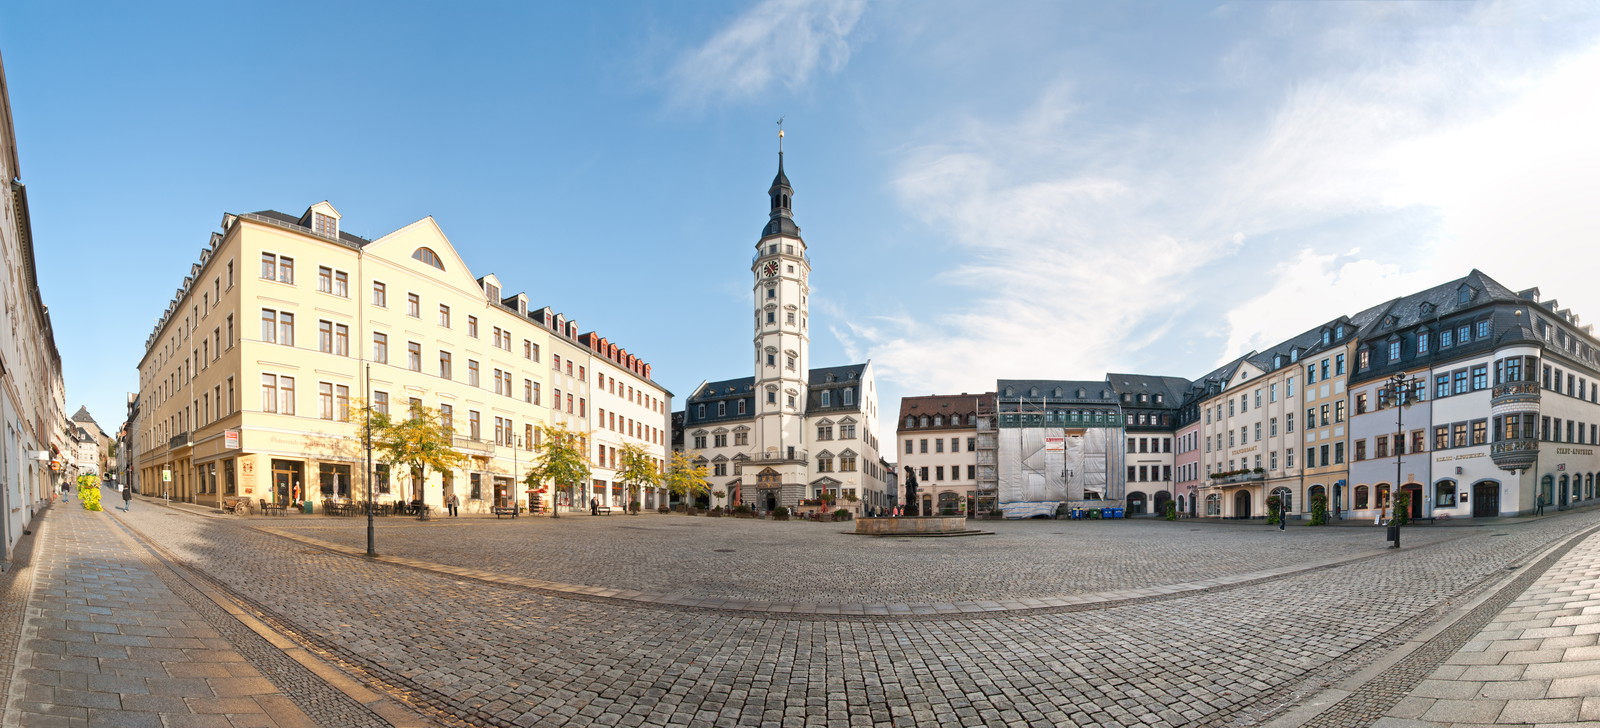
(1241, 504)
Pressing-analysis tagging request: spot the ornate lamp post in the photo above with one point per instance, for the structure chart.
(1398, 389)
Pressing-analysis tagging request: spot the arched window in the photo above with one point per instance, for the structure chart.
(1361, 496)
(427, 255)
(1285, 499)
(1444, 493)
(1213, 505)
(1382, 498)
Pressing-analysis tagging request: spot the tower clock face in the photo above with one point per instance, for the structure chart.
(770, 269)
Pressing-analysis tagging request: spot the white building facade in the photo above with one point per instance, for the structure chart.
(789, 435)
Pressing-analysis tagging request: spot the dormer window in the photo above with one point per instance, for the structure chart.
(493, 291)
(427, 255)
(1294, 355)
(325, 225)
(1464, 295)
(1338, 331)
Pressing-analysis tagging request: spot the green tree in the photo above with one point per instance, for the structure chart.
(1319, 510)
(1402, 509)
(1274, 510)
(686, 479)
(417, 443)
(636, 470)
(561, 456)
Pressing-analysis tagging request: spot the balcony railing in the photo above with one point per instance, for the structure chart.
(1515, 390)
(1238, 478)
(484, 447)
(1514, 446)
(179, 440)
(786, 455)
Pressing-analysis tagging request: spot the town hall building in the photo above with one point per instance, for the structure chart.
(788, 434)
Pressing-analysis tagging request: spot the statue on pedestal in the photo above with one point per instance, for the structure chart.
(910, 501)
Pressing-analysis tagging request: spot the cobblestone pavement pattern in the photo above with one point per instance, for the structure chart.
(104, 641)
(798, 561)
(1537, 661)
(492, 654)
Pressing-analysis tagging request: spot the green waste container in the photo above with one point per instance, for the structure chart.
(309, 507)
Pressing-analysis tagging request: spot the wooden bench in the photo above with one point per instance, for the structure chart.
(506, 511)
(602, 510)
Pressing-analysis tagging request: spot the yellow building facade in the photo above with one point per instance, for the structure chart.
(286, 324)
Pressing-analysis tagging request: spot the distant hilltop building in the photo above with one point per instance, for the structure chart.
(1472, 399)
(789, 433)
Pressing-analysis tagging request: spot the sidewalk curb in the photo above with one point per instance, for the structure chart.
(1318, 703)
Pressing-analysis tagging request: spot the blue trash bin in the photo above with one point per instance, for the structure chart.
(1116, 512)
(1077, 514)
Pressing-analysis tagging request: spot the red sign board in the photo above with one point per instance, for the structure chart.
(230, 440)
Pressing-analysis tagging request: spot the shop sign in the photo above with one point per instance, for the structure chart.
(230, 439)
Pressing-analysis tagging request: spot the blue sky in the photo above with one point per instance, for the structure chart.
(989, 190)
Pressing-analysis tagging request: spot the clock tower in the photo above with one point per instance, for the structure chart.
(782, 274)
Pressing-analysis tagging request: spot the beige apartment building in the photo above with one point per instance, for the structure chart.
(286, 323)
(939, 442)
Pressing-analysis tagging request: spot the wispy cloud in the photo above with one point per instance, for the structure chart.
(776, 42)
(1082, 244)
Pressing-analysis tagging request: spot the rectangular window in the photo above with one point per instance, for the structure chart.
(472, 326)
(445, 371)
(1461, 381)
(413, 305)
(1338, 364)
(1288, 423)
(325, 399)
(1441, 386)
(1361, 450)
(324, 279)
(1480, 432)
(413, 356)
(380, 402)
(1422, 343)
(1381, 446)
(1447, 339)
(1480, 377)
(444, 315)
(908, 447)
(278, 268)
(380, 295)
(1464, 334)
(447, 413)
(1338, 411)
(474, 425)
(472, 372)
(1483, 329)
(1394, 351)
(380, 348)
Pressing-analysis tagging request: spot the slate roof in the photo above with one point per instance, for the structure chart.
(1436, 303)
(962, 404)
(1064, 391)
(1171, 389)
(355, 241)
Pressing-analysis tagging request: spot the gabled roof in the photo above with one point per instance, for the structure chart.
(723, 389)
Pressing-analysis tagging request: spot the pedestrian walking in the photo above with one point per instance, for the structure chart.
(454, 503)
(594, 507)
(127, 497)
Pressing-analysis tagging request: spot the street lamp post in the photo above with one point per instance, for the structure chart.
(1398, 388)
(371, 534)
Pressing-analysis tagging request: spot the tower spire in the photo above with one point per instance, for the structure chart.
(781, 217)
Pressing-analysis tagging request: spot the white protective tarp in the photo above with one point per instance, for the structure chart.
(1038, 464)
(1029, 510)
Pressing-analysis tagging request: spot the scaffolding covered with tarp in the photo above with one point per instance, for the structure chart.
(1048, 457)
